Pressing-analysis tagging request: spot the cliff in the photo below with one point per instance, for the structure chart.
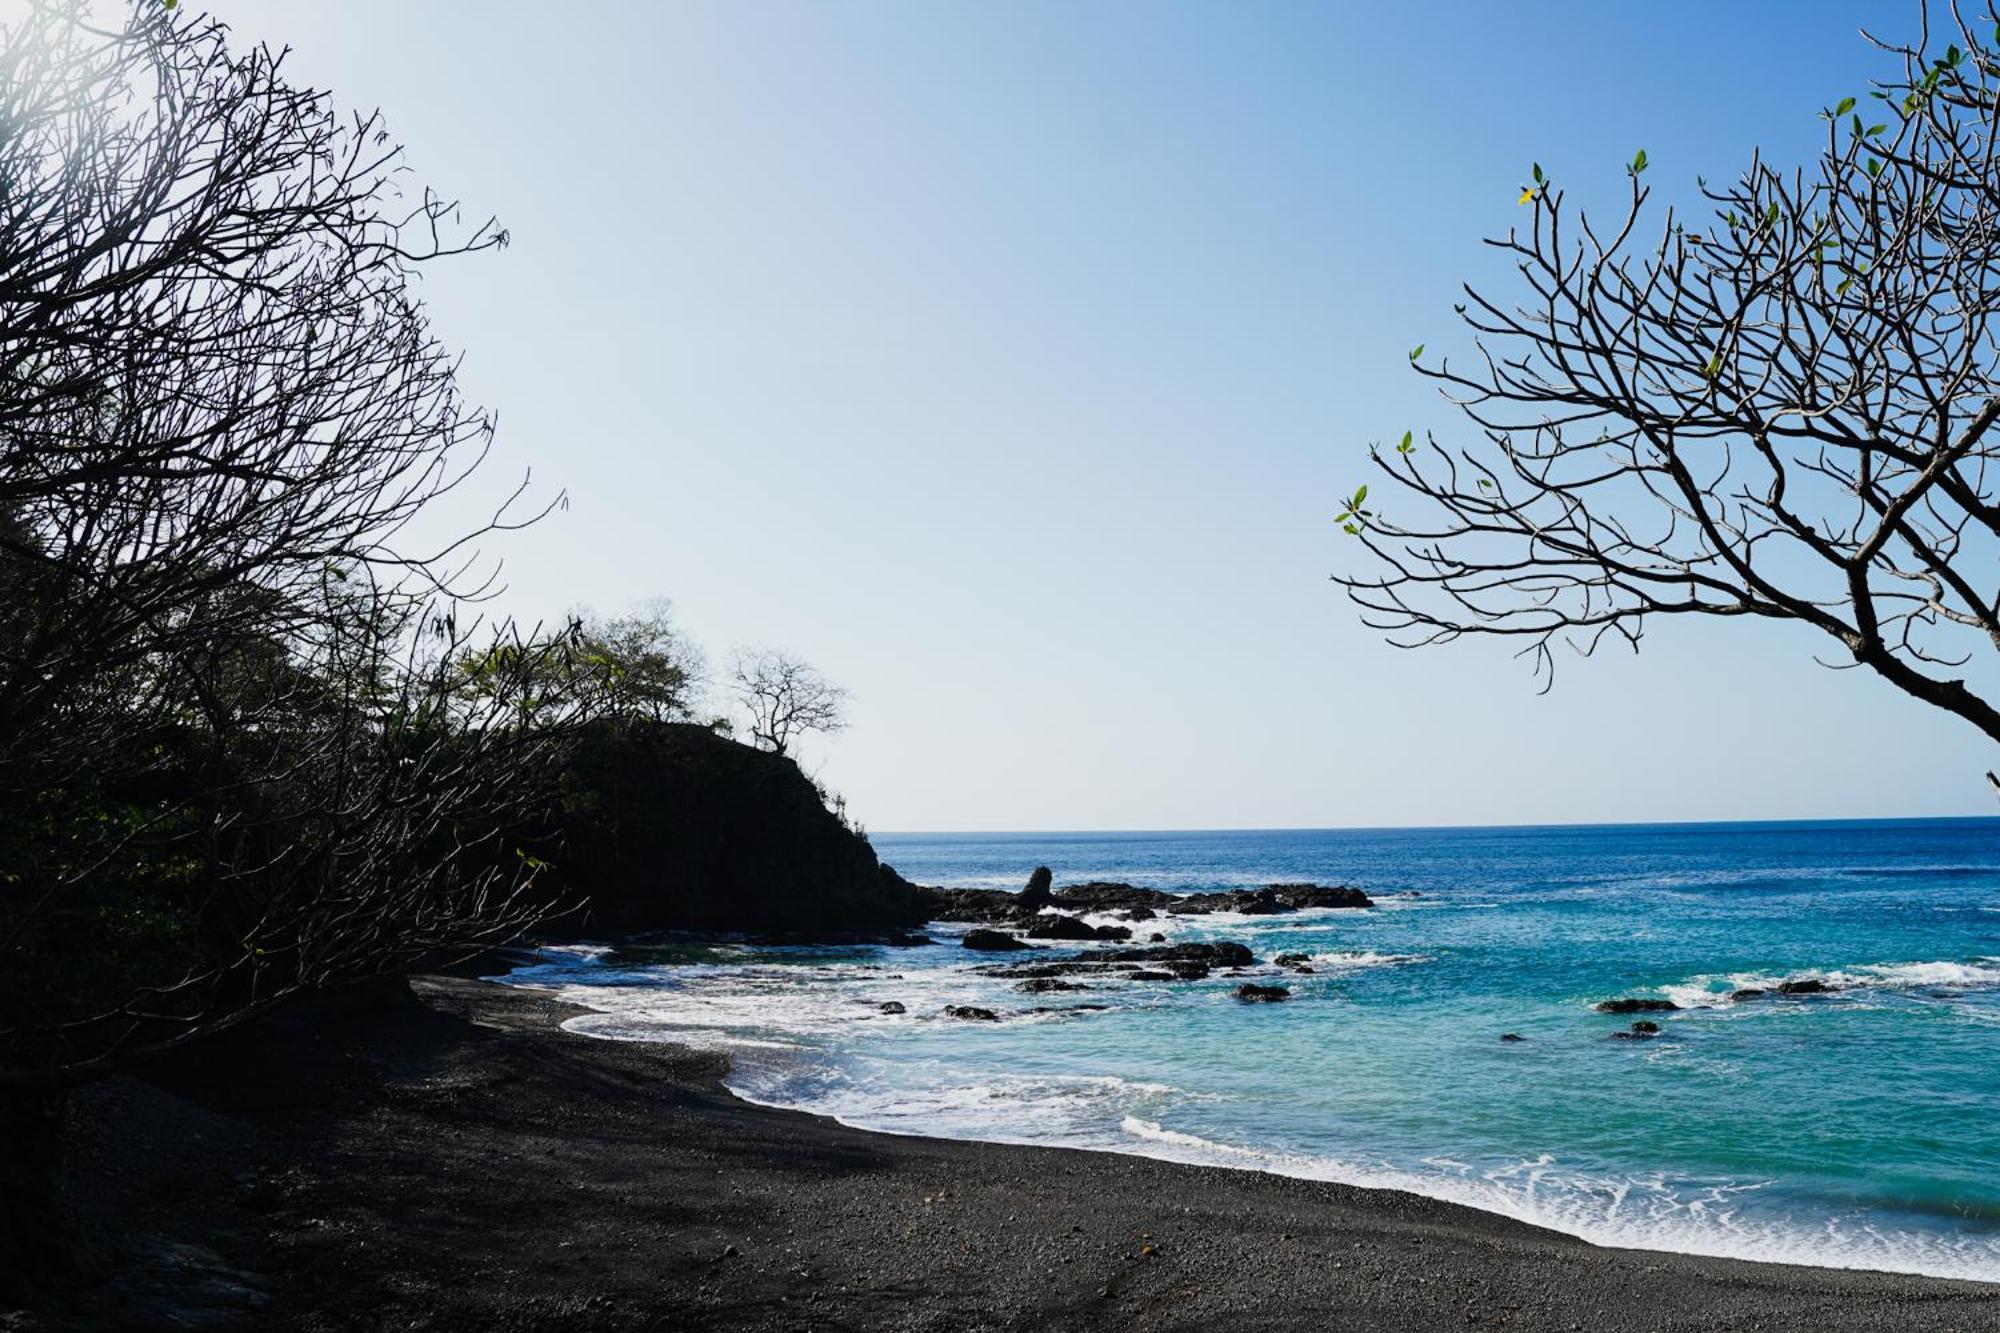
(671, 826)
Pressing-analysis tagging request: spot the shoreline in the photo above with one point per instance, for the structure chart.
(453, 1159)
(1169, 1146)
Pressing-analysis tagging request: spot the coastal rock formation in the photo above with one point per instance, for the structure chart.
(1057, 926)
(1512, 1036)
(971, 1012)
(1219, 953)
(892, 1007)
(1139, 904)
(1635, 1005)
(1040, 985)
(1250, 990)
(669, 826)
(1807, 986)
(1036, 896)
(991, 941)
(1747, 993)
(1148, 974)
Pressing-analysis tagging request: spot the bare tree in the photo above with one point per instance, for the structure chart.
(237, 757)
(784, 698)
(1782, 407)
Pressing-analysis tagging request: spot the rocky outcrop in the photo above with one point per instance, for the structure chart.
(1036, 896)
(1806, 986)
(1635, 1005)
(892, 1007)
(971, 1012)
(1138, 904)
(1043, 985)
(1057, 926)
(992, 941)
(1262, 994)
(669, 826)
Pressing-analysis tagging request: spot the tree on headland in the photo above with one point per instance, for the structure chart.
(784, 698)
(1780, 405)
(238, 756)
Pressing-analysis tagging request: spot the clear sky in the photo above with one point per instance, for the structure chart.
(1007, 361)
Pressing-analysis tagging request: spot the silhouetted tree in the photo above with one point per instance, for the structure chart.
(1781, 408)
(784, 698)
(237, 754)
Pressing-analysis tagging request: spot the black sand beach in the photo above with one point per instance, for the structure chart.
(455, 1161)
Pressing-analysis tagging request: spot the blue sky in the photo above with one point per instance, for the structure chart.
(1008, 362)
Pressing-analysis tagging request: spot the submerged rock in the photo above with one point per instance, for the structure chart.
(1221, 953)
(1512, 1036)
(1186, 969)
(992, 940)
(1806, 986)
(1646, 1028)
(1042, 985)
(972, 1012)
(1747, 993)
(1061, 927)
(1635, 1005)
(893, 1007)
(1250, 990)
(1144, 974)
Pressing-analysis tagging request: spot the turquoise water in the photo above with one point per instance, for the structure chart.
(1859, 1129)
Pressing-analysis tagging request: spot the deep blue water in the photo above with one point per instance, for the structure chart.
(1858, 1128)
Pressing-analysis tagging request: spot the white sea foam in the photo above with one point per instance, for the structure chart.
(1357, 961)
(1711, 990)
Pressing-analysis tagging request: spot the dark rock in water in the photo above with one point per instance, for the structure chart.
(1101, 896)
(1262, 994)
(1321, 895)
(1140, 914)
(893, 1007)
(971, 1011)
(1807, 986)
(1041, 985)
(991, 940)
(1186, 969)
(1037, 896)
(1059, 927)
(1635, 1005)
(1512, 1036)
(1270, 900)
(1221, 953)
(1290, 959)
(1646, 1027)
(1144, 974)
(1746, 993)
(1157, 938)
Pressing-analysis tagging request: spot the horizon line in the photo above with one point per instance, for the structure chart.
(1442, 828)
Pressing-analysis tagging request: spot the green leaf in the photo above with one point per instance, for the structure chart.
(1857, 127)
(1845, 283)
(1409, 437)
(1538, 173)
(1846, 105)
(1359, 496)
(1638, 163)
(1874, 130)
(1771, 214)
(1416, 351)
(1952, 55)
(1714, 366)
(1874, 166)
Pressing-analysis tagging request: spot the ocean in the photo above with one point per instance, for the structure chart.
(1860, 1128)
